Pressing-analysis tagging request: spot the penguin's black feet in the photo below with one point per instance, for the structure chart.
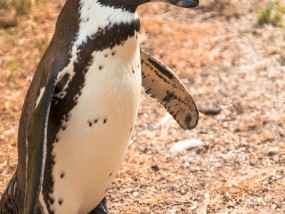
(101, 208)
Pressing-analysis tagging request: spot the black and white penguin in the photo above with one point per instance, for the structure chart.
(81, 107)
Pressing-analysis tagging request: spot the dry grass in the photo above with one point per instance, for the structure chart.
(227, 62)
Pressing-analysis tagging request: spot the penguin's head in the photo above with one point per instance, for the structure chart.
(180, 3)
(133, 4)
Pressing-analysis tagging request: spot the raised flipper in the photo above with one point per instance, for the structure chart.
(162, 84)
(37, 142)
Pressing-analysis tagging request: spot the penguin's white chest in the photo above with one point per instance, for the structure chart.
(90, 149)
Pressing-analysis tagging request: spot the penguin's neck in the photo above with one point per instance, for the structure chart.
(81, 20)
(113, 24)
(88, 27)
(104, 27)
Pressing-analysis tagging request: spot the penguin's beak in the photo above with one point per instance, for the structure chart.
(181, 3)
(184, 3)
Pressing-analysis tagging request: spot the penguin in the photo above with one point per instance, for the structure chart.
(81, 107)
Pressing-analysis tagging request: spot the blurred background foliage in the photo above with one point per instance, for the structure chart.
(11, 10)
(272, 13)
(20, 6)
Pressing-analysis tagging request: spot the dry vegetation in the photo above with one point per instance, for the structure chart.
(231, 65)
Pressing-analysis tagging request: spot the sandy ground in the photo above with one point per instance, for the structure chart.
(232, 67)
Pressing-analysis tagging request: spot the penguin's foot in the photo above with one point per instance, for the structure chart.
(101, 208)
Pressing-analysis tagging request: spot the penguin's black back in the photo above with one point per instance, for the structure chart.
(57, 56)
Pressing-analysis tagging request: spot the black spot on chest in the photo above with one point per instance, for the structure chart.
(62, 174)
(60, 201)
(52, 201)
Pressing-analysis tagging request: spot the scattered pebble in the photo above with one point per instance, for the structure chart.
(183, 145)
(210, 110)
(273, 151)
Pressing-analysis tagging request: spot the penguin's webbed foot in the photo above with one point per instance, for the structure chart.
(101, 208)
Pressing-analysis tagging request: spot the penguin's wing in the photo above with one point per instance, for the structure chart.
(162, 84)
(37, 142)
